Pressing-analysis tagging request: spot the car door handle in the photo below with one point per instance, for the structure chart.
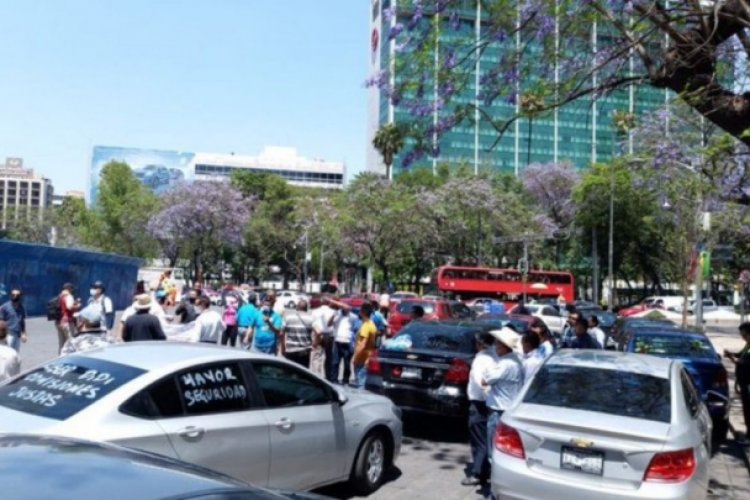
(192, 433)
(284, 424)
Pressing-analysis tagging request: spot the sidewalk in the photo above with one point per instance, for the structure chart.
(724, 340)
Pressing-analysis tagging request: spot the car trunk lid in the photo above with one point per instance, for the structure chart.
(427, 369)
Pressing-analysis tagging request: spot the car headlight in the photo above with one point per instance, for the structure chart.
(396, 411)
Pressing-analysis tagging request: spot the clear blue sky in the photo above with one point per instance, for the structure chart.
(192, 75)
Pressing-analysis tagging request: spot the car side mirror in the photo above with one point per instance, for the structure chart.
(341, 398)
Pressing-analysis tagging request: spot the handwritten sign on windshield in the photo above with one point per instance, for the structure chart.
(213, 389)
(64, 387)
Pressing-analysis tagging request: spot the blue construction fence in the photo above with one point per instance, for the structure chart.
(40, 271)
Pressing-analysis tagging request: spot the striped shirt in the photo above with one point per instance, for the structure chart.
(298, 331)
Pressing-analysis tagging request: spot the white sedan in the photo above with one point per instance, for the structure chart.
(257, 418)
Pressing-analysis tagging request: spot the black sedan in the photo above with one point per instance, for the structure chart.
(425, 368)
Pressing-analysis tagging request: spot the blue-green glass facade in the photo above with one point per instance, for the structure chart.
(580, 132)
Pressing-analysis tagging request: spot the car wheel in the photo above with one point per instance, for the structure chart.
(370, 465)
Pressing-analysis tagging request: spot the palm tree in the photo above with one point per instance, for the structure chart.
(389, 140)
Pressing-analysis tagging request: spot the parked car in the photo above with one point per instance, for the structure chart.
(701, 361)
(600, 424)
(519, 322)
(400, 295)
(484, 305)
(290, 298)
(401, 312)
(257, 418)
(460, 310)
(623, 328)
(52, 467)
(709, 305)
(550, 314)
(425, 368)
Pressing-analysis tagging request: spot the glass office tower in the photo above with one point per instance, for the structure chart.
(581, 132)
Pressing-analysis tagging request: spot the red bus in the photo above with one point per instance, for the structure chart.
(506, 285)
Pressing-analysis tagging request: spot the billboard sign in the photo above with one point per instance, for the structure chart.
(155, 168)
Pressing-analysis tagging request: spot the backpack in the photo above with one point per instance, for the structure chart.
(54, 309)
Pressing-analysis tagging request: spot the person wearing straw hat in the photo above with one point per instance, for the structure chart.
(142, 325)
(504, 379)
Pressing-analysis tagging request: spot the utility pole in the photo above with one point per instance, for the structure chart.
(320, 272)
(594, 267)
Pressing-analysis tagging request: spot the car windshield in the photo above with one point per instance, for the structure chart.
(406, 307)
(580, 388)
(673, 346)
(432, 336)
(65, 386)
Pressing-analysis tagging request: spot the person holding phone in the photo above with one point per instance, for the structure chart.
(741, 360)
(269, 330)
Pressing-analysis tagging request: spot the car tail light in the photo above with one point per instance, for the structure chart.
(373, 365)
(671, 467)
(720, 378)
(458, 372)
(508, 441)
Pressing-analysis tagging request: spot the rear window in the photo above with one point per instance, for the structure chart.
(62, 388)
(433, 337)
(406, 307)
(674, 346)
(581, 388)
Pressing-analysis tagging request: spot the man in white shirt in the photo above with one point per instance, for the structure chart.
(104, 303)
(10, 362)
(209, 326)
(321, 361)
(505, 379)
(532, 358)
(485, 360)
(597, 332)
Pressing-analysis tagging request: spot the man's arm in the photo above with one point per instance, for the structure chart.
(158, 331)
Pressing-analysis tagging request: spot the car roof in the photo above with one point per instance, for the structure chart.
(150, 355)
(642, 364)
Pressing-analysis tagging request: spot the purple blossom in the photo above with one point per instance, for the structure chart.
(454, 21)
(395, 31)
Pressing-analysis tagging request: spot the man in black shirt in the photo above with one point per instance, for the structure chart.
(142, 325)
(186, 308)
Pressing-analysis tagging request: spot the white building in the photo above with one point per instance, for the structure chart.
(22, 191)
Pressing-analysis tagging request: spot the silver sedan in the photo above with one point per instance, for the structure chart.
(599, 424)
(254, 417)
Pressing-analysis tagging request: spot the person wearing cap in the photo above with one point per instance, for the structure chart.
(104, 303)
(504, 379)
(10, 362)
(479, 470)
(66, 327)
(91, 332)
(142, 325)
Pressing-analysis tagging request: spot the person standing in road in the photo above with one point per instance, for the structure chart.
(105, 304)
(582, 339)
(268, 330)
(68, 306)
(596, 332)
(14, 315)
(505, 378)
(209, 326)
(547, 345)
(186, 308)
(568, 333)
(532, 358)
(10, 362)
(247, 317)
(365, 346)
(342, 336)
(298, 325)
(741, 360)
(230, 320)
(91, 332)
(323, 338)
(142, 325)
(479, 470)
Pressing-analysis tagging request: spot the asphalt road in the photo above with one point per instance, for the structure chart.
(435, 451)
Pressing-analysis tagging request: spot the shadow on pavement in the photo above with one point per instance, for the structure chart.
(435, 429)
(345, 491)
(723, 463)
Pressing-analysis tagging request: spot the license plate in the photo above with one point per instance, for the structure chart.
(411, 373)
(590, 462)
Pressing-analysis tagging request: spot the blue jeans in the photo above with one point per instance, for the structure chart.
(341, 354)
(493, 420)
(360, 376)
(14, 341)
